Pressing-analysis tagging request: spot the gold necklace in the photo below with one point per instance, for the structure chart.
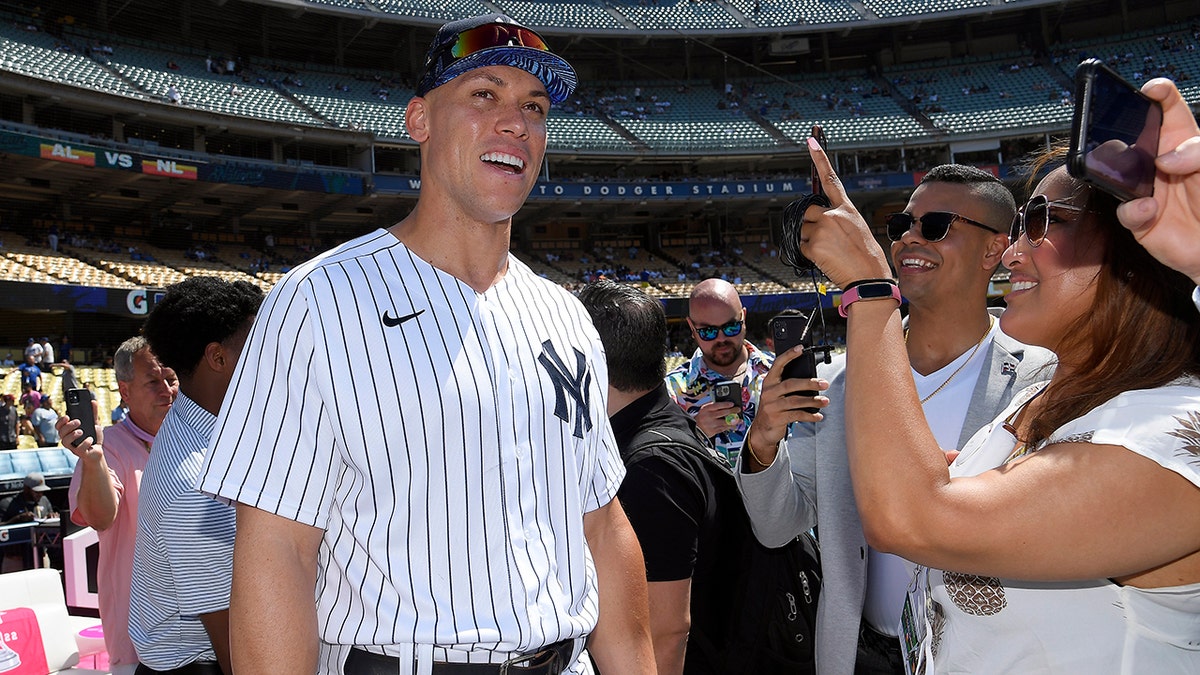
(991, 323)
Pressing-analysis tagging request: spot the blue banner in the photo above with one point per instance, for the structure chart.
(600, 191)
(55, 150)
(629, 191)
(129, 302)
(761, 303)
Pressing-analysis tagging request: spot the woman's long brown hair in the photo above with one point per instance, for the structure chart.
(1141, 332)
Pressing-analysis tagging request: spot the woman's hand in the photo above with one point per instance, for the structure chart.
(837, 239)
(1168, 224)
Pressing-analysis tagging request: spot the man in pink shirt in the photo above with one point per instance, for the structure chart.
(104, 489)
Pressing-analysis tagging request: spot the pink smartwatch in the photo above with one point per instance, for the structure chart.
(870, 289)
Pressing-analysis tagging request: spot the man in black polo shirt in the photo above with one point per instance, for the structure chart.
(670, 492)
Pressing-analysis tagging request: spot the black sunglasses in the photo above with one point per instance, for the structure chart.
(935, 225)
(1033, 219)
(709, 333)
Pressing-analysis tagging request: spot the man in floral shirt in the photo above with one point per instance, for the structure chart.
(718, 323)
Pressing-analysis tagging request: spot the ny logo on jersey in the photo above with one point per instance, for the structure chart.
(565, 383)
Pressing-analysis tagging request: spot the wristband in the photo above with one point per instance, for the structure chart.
(868, 289)
(860, 282)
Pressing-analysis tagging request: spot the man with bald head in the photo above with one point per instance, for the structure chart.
(718, 323)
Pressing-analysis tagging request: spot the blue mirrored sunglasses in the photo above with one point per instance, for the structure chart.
(709, 333)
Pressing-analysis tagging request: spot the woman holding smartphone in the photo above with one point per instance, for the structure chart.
(1066, 535)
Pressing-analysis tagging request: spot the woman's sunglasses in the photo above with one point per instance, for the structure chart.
(709, 333)
(1033, 219)
(935, 225)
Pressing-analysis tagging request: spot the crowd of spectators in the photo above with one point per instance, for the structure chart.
(618, 102)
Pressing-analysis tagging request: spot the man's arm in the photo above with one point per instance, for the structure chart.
(16, 512)
(780, 494)
(670, 622)
(217, 626)
(96, 498)
(621, 641)
(37, 429)
(272, 610)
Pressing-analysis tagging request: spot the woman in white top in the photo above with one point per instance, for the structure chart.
(1069, 529)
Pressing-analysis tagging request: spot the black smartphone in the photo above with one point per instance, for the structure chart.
(730, 392)
(787, 332)
(1114, 133)
(819, 134)
(79, 407)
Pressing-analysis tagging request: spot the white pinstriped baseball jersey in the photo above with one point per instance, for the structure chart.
(451, 480)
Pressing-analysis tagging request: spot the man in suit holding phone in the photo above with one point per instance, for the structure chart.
(946, 245)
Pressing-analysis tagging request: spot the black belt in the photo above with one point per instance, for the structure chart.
(552, 660)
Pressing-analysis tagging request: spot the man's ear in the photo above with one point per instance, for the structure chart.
(997, 245)
(215, 357)
(416, 120)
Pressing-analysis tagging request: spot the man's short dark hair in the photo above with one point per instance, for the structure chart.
(988, 188)
(633, 328)
(196, 312)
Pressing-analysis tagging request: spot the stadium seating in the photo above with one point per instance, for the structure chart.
(675, 116)
(553, 13)
(56, 464)
(759, 114)
(63, 268)
(966, 96)
(1171, 51)
(36, 54)
(676, 15)
(348, 4)
(443, 11)
(564, 131)
(896, 8)
(215, 96)
(851, 109)
(792, 12)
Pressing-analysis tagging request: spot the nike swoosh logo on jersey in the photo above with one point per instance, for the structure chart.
(392, 322)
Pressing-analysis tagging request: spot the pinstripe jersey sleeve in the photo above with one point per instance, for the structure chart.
(273, 447)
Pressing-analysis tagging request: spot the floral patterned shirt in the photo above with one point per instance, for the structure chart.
(691, 386)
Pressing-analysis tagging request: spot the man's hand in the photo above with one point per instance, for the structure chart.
(22, 517)
(778, 406)
(718, 417)
(88, 448)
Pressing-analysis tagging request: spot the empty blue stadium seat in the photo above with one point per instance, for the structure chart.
(56, 464)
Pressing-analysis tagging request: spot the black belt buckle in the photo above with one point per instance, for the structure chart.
(549, 661)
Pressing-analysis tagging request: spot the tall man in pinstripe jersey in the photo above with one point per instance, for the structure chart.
(463, 518)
